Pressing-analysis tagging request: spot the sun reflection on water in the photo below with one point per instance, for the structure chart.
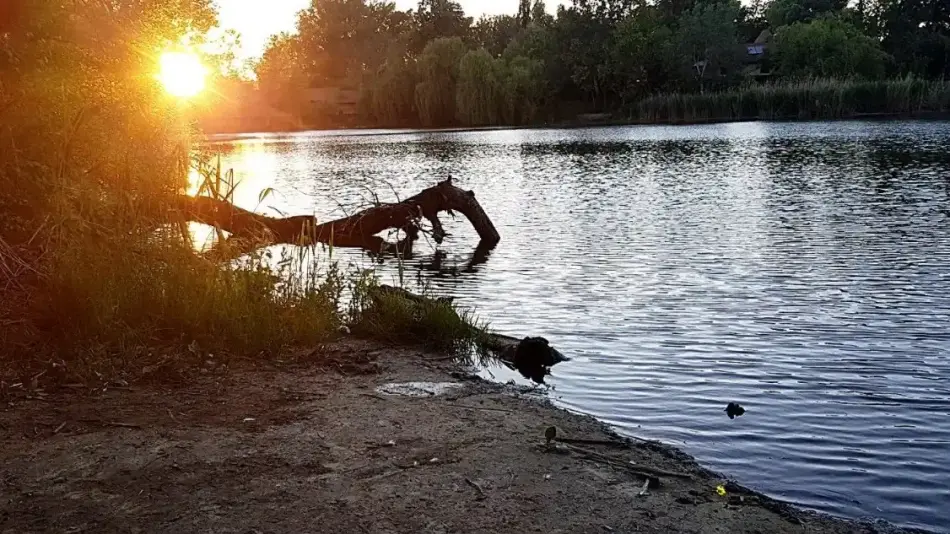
(254, 172)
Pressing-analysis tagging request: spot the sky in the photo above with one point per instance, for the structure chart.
(257, 20)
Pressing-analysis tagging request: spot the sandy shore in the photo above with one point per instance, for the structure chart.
(316, 447)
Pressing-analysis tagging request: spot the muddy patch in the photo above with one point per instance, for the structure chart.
(419, 389)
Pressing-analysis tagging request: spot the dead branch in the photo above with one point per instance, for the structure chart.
(358, 230)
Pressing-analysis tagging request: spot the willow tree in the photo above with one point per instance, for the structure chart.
(438, 73)
(480, 89)
(388, 95)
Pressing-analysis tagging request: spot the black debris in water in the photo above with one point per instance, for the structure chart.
(533, 357)
(536, 352)
(734, 410)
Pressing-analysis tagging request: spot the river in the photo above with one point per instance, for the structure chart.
(800, 269)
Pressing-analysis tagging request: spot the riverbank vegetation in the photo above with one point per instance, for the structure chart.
(100, 278)
(806, 99)
(436, 66)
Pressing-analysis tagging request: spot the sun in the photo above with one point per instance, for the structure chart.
(182, 74)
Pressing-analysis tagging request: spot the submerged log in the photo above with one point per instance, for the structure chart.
(358, 230)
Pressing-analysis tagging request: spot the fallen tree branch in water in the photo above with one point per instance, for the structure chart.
(355, 231)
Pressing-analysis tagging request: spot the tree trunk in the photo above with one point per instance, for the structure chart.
(359, 230)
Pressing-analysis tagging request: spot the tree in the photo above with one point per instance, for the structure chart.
(707, 42)
(539, 44)
(479, 92)
(828, 47)
(340, 39)
(752, 20)
(73, 76)
(524, 13)
(539, 14)
(391, 94)
(583, 39)
(785, 12)
(496, 33)
(435, 19)
(279, 74)
(610, 10)
(523, 89)
(642, 54)
(91, 143)
(438, 78)
(672, 10)
(916, 33)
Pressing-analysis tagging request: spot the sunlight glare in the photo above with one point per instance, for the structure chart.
(182, 74)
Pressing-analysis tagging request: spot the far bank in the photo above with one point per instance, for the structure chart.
(800, 101)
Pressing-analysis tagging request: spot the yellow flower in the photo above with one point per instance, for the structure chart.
(721, 490)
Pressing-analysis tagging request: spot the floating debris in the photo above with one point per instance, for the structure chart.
(734, 410)
(533, 357)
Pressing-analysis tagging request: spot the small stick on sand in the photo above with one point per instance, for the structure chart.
(643, 490)
(475, 485)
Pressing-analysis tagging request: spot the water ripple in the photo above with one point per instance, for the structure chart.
(801, 269)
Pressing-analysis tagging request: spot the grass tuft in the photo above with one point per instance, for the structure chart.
(393, 315)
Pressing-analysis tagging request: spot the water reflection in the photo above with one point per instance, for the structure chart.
(799, 269)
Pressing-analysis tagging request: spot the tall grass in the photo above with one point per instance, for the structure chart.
(93, 275)
(807, 99)
(107, 307)
(394, 316)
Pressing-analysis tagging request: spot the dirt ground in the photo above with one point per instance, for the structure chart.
(316, 448)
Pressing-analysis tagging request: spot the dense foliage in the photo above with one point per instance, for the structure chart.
(433, 66)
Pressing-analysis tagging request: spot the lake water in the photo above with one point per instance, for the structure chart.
(802, 270)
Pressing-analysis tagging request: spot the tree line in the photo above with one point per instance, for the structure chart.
(436, 66)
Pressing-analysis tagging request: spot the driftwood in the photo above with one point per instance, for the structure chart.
(358, 231)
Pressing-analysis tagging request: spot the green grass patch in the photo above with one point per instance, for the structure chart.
(394, 315)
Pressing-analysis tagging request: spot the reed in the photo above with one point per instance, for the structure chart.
(799, 100)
